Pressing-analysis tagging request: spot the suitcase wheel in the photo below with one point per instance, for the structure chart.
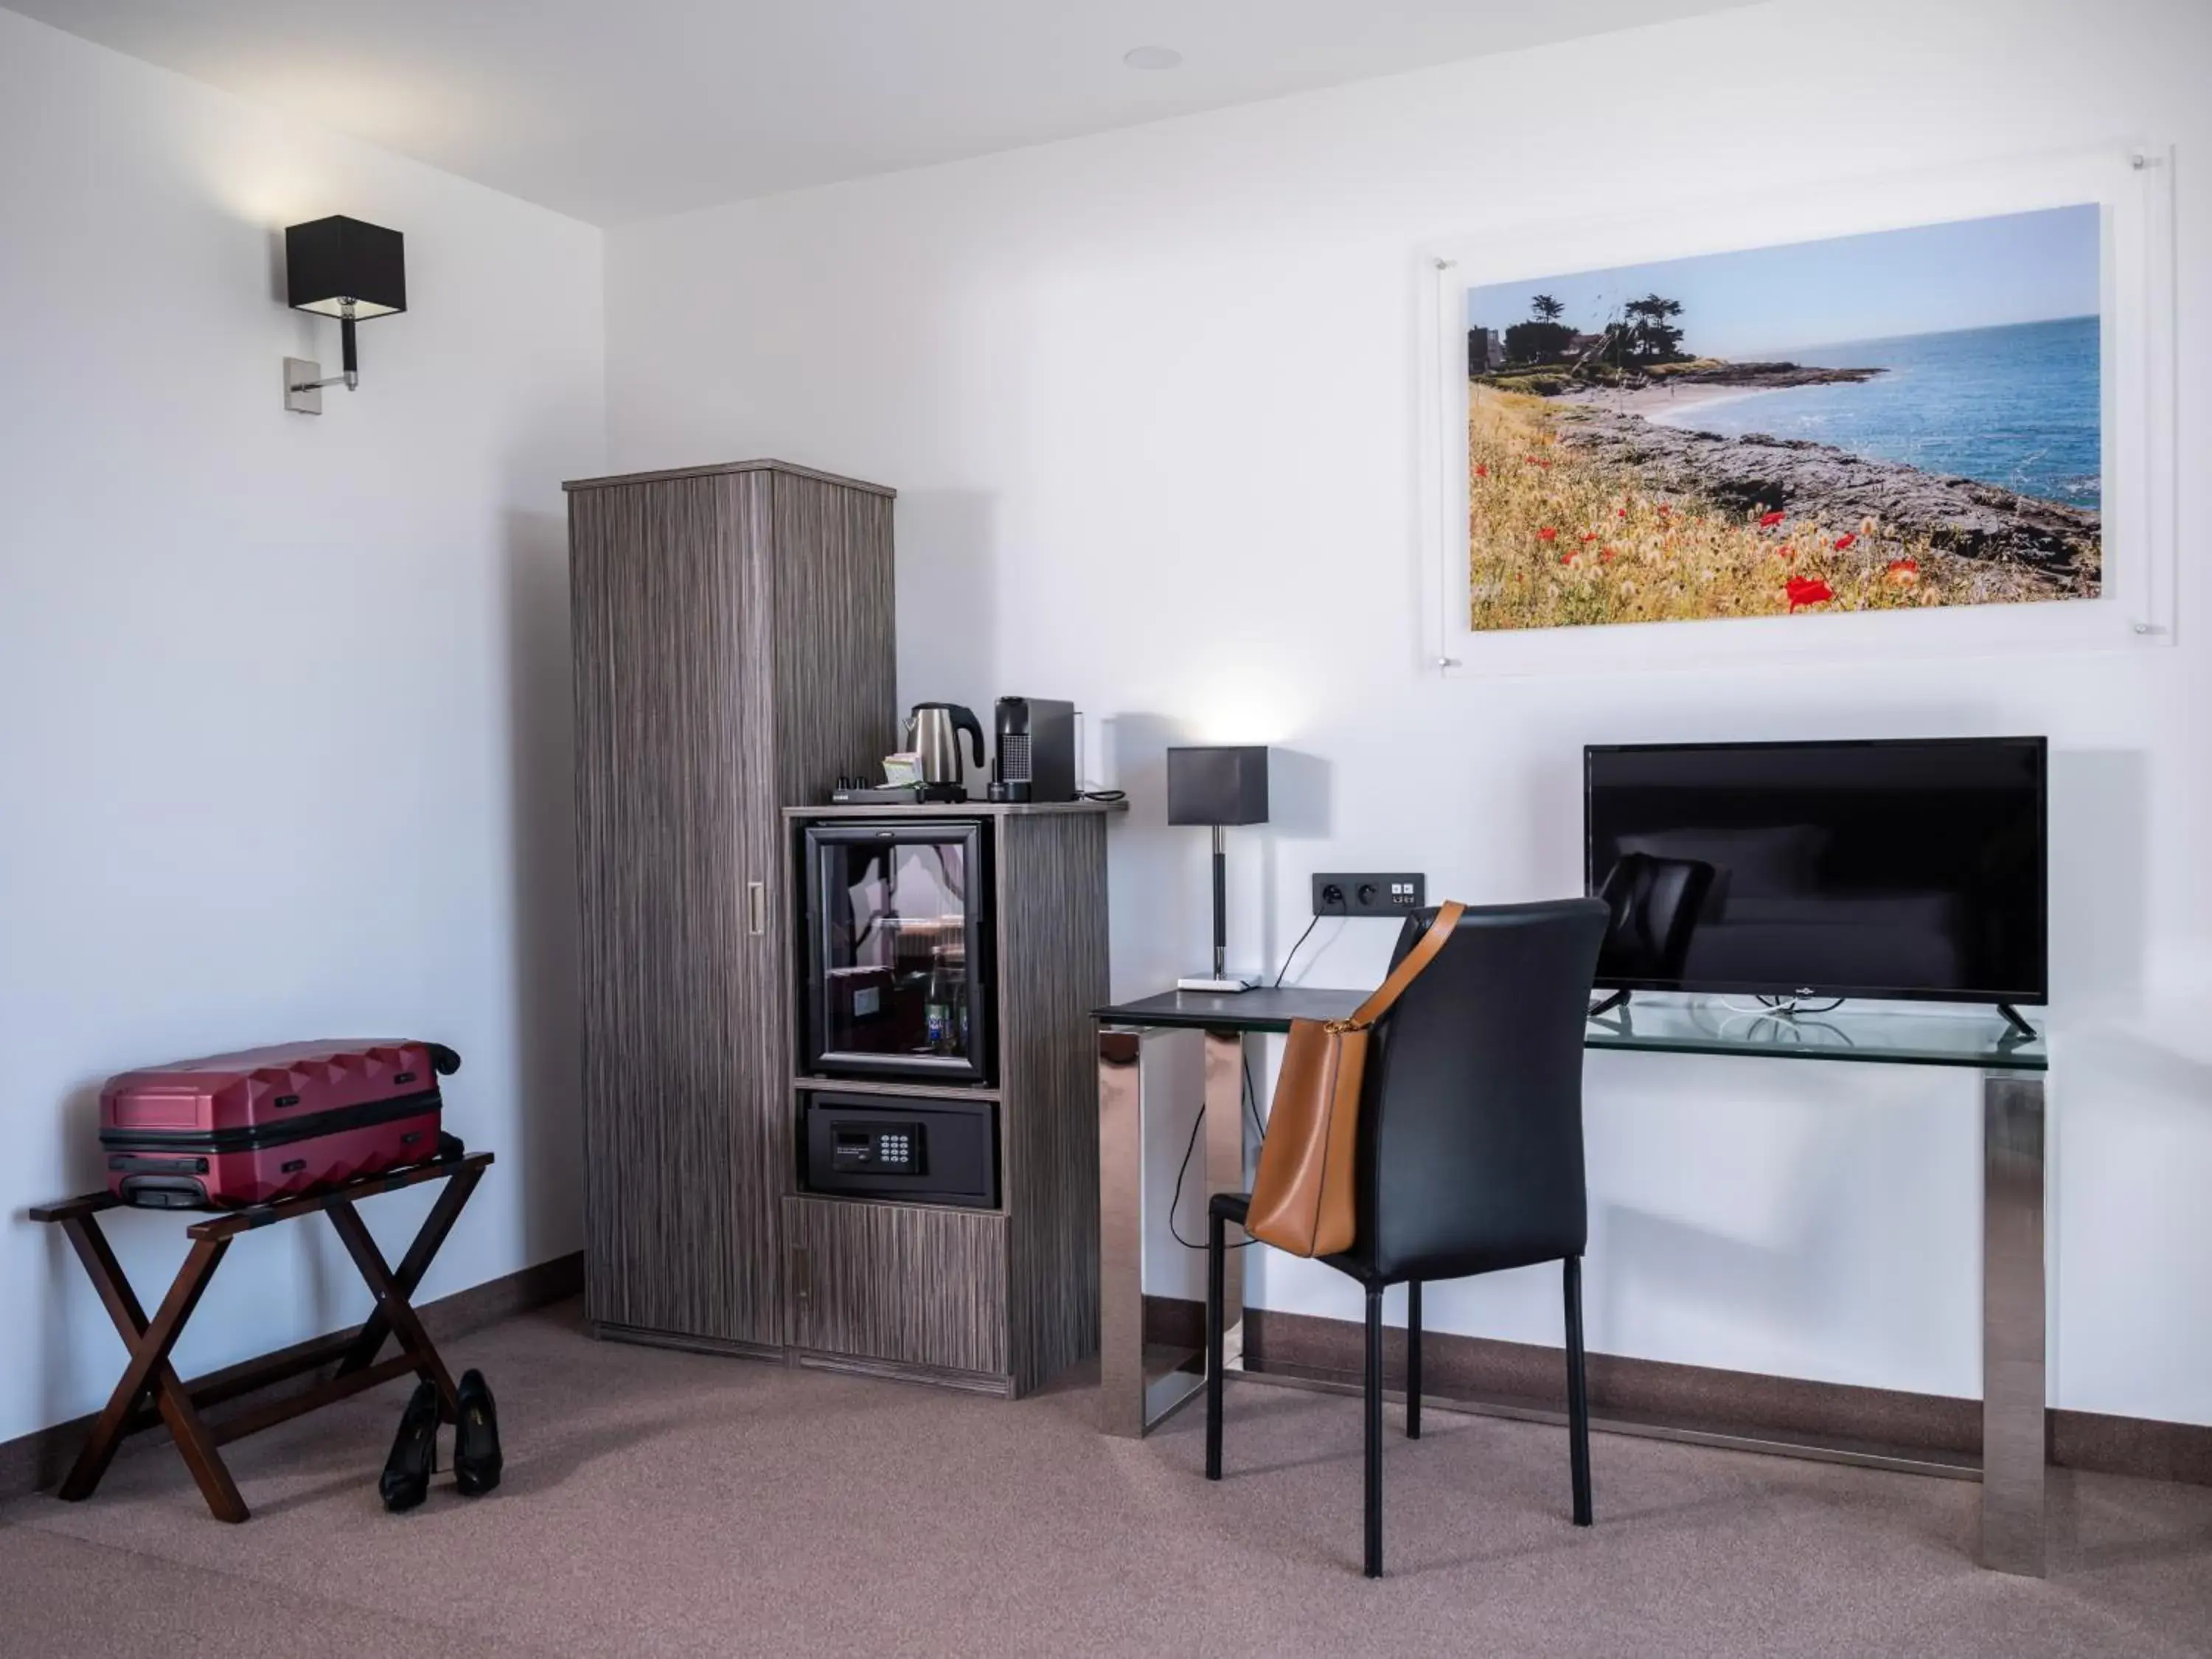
(164, 1193)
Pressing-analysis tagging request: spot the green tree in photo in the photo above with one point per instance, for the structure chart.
(1651, 336)
(1542, 339)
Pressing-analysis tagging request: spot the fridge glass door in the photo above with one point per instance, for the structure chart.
(896, 923)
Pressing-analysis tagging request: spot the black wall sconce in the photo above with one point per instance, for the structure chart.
(342, 268)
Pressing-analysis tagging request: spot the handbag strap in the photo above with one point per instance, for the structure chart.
(1423, 953)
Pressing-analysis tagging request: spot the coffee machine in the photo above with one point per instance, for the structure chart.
(1035, 751)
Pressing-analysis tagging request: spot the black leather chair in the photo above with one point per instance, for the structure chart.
(1470, 1151)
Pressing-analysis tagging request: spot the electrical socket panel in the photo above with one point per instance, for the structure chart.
(1369, 893)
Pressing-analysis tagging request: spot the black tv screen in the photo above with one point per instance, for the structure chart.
(1904, 869)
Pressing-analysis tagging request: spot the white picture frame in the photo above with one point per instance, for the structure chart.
(2137, 606)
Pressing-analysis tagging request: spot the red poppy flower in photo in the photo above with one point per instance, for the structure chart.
(1481, 470)
(1905, 564)
(1547, 534)
(1589, 535)
(1607, 552)
(1804, 590)
(1664, 509)
(1566, 558)
(1623, 512)
(1767, 522)
(1844, 540)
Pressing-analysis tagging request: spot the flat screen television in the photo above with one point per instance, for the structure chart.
(1910, 869)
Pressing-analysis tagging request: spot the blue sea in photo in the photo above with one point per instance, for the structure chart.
(2017, 405)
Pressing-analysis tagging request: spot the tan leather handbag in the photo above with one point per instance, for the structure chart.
(1302, 1199)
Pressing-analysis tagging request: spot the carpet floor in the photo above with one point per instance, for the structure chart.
(659, 1503)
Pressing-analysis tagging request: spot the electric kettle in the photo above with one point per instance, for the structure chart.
(932, 733)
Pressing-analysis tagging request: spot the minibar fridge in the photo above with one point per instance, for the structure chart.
(897, 960)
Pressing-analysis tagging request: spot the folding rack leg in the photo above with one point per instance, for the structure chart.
(149, 1369)
(392, 1302)
(408, 1276)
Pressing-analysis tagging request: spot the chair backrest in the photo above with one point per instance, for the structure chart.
(1470, 1124)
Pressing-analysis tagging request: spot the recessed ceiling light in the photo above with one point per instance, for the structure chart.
(1152, 58)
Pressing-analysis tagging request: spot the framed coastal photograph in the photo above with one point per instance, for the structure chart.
(1901, 418)
(1842, 433)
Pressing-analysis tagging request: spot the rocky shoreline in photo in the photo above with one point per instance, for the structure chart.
(2060, 546)
(1576, 379)
(1758, 377)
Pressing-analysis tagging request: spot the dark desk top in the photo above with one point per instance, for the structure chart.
(1257, 1010)
(1652, 1025)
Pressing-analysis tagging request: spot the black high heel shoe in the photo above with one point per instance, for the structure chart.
(414, 1460)
(477, 1461)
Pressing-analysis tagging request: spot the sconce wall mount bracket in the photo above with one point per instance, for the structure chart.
(303, 386)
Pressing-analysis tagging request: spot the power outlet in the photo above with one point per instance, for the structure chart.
(1369, 893)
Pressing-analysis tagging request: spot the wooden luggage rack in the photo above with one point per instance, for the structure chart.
(149, 1391)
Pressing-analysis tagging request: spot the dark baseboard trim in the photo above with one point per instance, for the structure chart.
(33, 1461)
(1478, 1368)
(2132, 1445)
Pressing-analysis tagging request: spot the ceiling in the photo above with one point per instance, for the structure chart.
(612, 112)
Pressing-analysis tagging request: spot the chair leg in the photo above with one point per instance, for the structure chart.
(1216, 1250)
(1577, 1393)
(1374, 1564)
(1414, 1359)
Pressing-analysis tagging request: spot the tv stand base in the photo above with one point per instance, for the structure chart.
(2013, 1019)
(1618, 999)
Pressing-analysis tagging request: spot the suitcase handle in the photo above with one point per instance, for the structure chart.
(443, 1060)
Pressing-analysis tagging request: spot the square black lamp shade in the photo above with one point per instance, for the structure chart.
(338, 260)
(340, 267)
(1219, 785)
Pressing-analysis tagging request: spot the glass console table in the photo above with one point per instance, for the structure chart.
(2011, 1063)
(1706, 1025)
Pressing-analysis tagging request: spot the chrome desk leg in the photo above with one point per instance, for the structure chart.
(1224, 1173)
(2014, 1396)
(1129, 1400)
(1122, 1232)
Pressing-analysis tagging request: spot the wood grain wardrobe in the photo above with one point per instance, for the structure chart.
(734, 652)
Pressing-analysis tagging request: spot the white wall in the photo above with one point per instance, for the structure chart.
(283, 701)
(1149, 399)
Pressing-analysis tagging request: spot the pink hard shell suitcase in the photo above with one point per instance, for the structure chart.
(272, 1123)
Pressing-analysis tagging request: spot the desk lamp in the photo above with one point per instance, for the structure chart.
(1217, 786)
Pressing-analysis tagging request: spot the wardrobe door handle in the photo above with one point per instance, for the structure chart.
(756, 906)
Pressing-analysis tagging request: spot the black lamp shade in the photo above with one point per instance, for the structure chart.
(332, 260)
(1219, 785)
